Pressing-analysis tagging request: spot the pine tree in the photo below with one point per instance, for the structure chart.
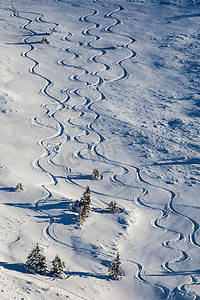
(36, 261)
(95, 174)
(114, 268)
(19, 187)
(84, 205)
(85, 199)
(58, 267)
(114, 208)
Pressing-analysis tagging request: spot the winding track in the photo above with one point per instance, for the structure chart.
(50, 153)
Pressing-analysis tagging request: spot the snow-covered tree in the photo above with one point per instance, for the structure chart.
(84, 205)
(113, 207)
(95, 174)
(114, 268)
(86, 197)
(58, 267)
(36, 261)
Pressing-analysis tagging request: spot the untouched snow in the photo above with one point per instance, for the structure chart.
(115, 88)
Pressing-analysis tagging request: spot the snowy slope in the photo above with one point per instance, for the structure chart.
(115, 88)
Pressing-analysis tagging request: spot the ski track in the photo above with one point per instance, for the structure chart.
(49, 154)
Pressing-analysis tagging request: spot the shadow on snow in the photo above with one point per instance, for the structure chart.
(21, 268)
(8, 189)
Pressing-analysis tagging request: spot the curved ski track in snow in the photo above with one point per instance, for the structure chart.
(50, 153)
(132, 54)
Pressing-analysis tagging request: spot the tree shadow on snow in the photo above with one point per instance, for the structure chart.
(89, 274)
(174, 273)
(58, 212)
(101, 210)
(54, 204)
(64, 219)
(181, 161)
(8, 189)
(59, 204)
(21, 205)
(28, 43)
(80, 177)
(18, 267)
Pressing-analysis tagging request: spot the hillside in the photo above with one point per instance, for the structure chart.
(114, 87)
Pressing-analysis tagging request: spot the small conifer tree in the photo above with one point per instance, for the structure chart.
(95, 174)
(114, 268)
(114, 208)
(19, 187)
(36, 261)
(84, 205)
(58, 267)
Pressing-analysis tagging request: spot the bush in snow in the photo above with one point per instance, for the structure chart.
(58, 267)
(114, 268)
(36, 261)
(95, 174)
(114, 208)
(44, 40)
(19, 187)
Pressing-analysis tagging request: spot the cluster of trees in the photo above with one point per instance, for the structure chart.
(36, 263)
(83, 206)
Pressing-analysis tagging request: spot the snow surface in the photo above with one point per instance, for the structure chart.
(115, 88)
